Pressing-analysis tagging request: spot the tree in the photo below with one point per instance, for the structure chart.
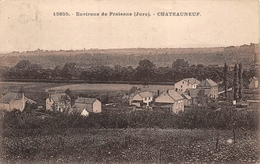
(200, 72)
(56, 72)
(180, 69)
(71, 95)
(70, 71)
(22, 64)
(180, 64)
(66, 102)
(202, 97)
(240, 77)
(225, 79)
(235, 83)
(145, 70)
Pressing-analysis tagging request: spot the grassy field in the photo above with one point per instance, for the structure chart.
(27, 86)
(41, 86)
(110, 87)
(133, 146)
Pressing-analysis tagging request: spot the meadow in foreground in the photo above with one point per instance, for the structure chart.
(151, 145)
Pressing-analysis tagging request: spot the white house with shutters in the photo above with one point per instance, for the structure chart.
(187, 83)
(141, 99)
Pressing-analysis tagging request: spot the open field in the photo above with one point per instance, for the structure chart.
(28, 86)
(133, 145)
(110, 87)
(61, 87)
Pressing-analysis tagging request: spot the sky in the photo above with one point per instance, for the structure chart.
(27, 25)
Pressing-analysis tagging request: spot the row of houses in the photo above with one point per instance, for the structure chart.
(184, 93)
(82, 105)
(55, 102)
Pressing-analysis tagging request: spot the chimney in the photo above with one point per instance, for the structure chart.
(158, 92)
(167, 91)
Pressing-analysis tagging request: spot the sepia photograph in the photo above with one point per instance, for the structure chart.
(143, 82)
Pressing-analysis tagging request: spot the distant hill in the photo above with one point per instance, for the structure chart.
(131, 57)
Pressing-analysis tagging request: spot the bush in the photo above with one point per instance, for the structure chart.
(196, 117)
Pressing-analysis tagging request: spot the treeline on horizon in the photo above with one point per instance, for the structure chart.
(145, 73)
(160, 56)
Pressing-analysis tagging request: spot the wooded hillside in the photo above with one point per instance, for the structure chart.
(130, 57)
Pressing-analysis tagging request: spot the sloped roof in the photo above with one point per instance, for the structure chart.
(58, 96)
(8, 97)
(84, 100)
(139, 95)
(145, 94)
(164, 98)
(78, 108)
(175, 95)
(192, 80)
(184, 95)
(169, 97)
(207, 83)
(14, 96)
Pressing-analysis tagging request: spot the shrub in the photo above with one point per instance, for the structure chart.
(196, 117)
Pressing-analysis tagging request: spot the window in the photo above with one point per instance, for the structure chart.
(182, 82)
(181, 86)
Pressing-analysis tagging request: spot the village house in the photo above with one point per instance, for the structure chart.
(84, 106)
(184, 84)
(210, 87)
(141, 98)
(12, 101)
(253, 83)
(58, 102)
(171, 100)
